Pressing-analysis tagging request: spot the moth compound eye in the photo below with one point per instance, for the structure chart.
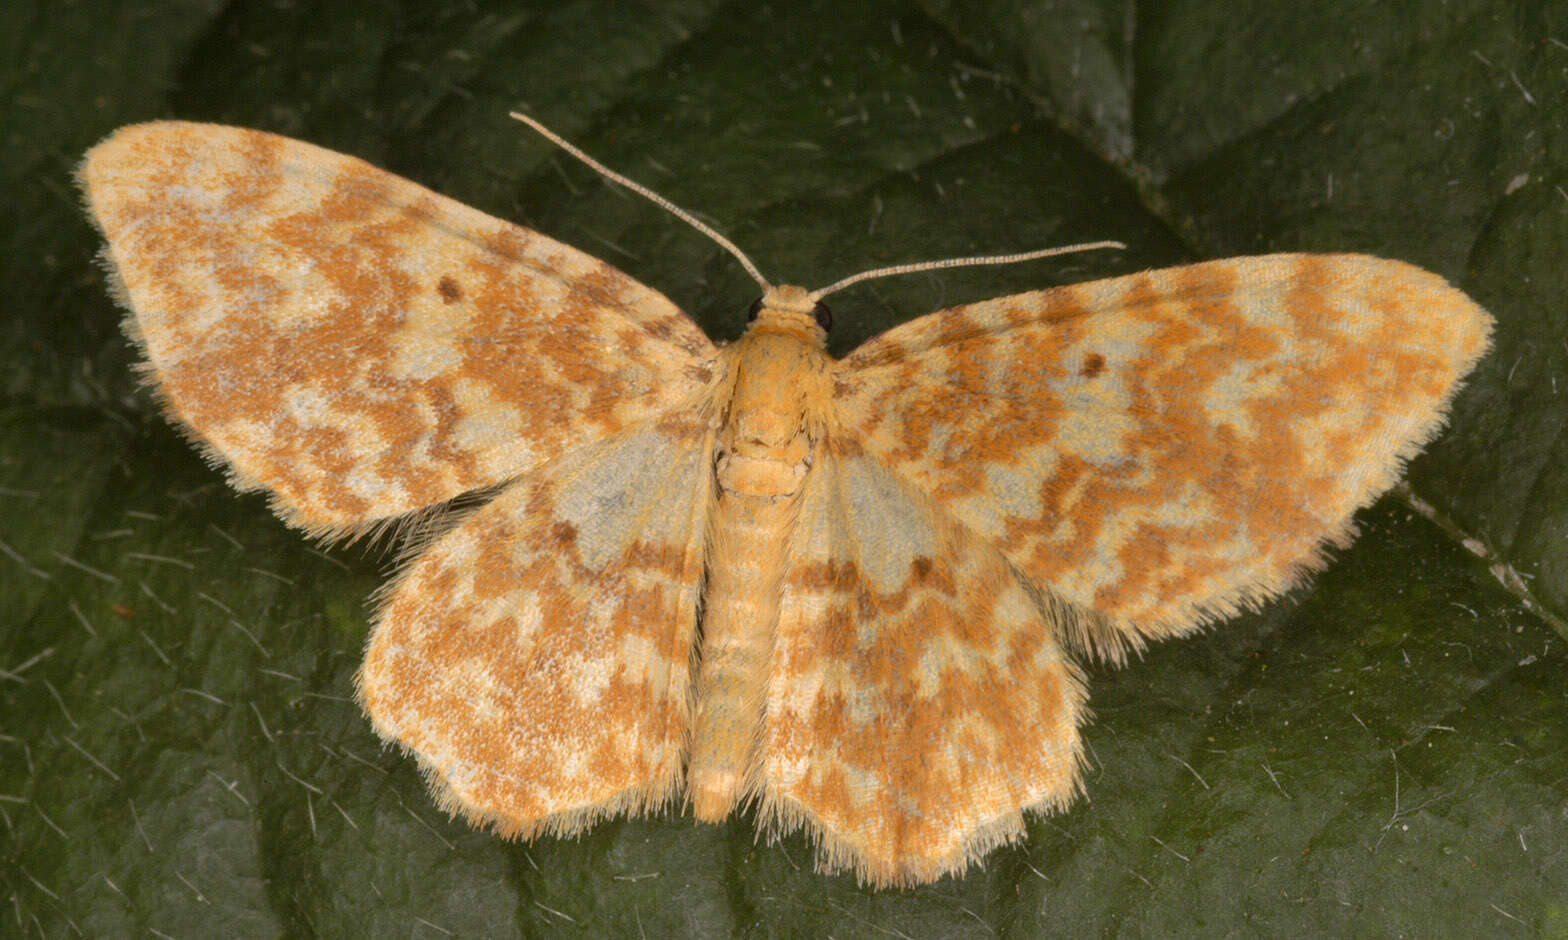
(756, 308)
(823, 315)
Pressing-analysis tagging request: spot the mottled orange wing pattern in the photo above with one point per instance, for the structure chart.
(918, 700)
(356, 344)
(1164, 449)
(895, 551)
(536, 659)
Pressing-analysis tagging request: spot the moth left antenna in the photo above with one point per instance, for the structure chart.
(651, 196)
(918, 266)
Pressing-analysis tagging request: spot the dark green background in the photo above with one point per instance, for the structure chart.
(1381, 753)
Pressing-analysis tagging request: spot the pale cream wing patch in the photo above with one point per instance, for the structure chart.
(357, 344)
(1164, 449)
(536, 659)
(918, 700)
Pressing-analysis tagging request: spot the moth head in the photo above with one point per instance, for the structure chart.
(790, 309)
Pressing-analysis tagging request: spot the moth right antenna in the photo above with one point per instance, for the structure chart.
(652, 196)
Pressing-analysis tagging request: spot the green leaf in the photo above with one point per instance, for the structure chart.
(1379, 753)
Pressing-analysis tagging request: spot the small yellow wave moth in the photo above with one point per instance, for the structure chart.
(847, 592)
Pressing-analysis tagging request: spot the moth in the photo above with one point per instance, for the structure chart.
(848, 593)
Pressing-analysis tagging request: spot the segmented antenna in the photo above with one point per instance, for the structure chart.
(657, 199)
(752, 269)
(919, 266)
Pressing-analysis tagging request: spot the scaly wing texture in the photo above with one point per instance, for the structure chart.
(1164, 449)
(536, 658)
(918, 700)
(359, 345)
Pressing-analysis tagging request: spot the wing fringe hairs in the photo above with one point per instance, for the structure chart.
(779, 817)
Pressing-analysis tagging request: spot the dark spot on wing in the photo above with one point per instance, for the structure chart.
(563, 533)
(451, 291)
(1093, 365)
